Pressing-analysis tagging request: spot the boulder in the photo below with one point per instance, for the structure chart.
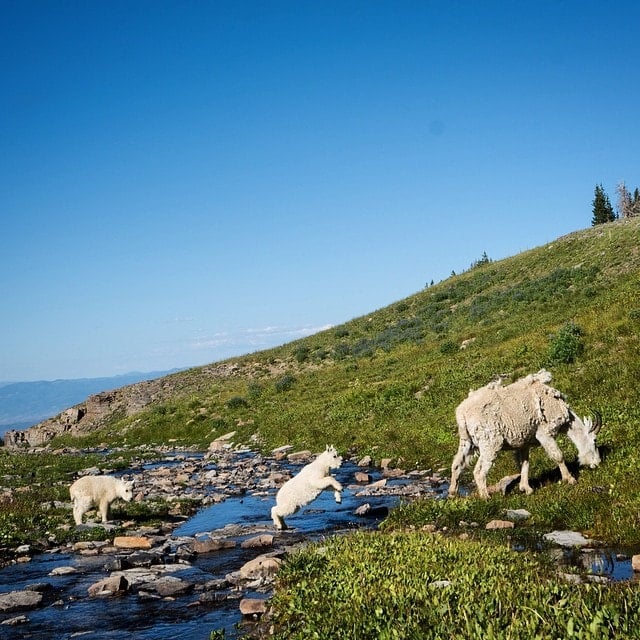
(567, 538)
(517, 514)
(132, 542)
(260, 567)
(253, 607)
(500, 524)
(109, 586)
(170, 586)
(265, 540)
(19, 600)
(209, 546)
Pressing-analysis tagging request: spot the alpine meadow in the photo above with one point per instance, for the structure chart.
(386, 385)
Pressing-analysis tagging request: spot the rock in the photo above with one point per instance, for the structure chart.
(439, 584)
(62, 571)
(109, 586)
(265, 540)
(40, 587)
(300, 456)
(209, 546)
(13, 622)
(567, 538)
(379, 484)
(517, 514)
(570, 578)
(253, 607)
(500, 524)
(169, 586)
(361, 476)
(635, 562)
(260, 567)
(503, 485)
(363, 509)
(385, 462)
(280, 452)
(132, 542)
(365, 462)
(19, 600)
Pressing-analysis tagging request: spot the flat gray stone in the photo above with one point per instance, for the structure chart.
(19, 600)
(517, 514)
(567, 538)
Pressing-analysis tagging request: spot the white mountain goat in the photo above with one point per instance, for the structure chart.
(307, 485)
(98, 491)
(518, 416)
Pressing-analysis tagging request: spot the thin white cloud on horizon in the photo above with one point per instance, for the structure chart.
(264, 337)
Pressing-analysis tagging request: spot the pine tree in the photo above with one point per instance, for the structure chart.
(602, 209)
(635, 206)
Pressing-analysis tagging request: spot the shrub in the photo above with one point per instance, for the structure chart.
(341, 351)
(449, 347)
(237, 402)
(285, 382)
(301, 353)
(254, 390)
(566, 345)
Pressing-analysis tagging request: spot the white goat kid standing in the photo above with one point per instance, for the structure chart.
(307, 485)
(518, 416)
(99, 491)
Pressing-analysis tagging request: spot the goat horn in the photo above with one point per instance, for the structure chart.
(597, 425)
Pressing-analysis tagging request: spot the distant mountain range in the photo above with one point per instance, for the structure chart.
(23, 404)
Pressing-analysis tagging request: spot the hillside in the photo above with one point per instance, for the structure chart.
(26, 403)
(387, 383)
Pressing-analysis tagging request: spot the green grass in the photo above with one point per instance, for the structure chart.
(417, 585)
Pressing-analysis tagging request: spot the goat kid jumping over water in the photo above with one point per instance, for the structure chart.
(310, 482)
(518, 416)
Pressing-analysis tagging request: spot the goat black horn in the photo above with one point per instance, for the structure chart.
(597, 424)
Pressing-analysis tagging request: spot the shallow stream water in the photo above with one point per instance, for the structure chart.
(71, 613)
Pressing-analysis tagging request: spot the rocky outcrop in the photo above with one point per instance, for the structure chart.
(100, 409)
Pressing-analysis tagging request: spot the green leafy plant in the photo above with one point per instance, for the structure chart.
(566, 345)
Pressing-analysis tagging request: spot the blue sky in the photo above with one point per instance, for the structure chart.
(181, 182)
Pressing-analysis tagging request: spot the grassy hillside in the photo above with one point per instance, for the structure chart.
(387, 383)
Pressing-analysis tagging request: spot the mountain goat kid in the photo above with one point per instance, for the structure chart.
(98, 491)
(307, 485)
(518, 416)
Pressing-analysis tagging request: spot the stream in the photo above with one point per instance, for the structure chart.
(67, 611)
(70, 613)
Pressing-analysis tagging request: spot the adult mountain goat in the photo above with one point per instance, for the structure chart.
(518, 416)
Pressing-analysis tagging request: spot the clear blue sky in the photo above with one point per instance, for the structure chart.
(181, 182)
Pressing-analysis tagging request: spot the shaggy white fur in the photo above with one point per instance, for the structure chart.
(98, 491)
(307, 485)
(518, 416)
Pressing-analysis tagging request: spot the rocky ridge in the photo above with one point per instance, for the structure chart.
(129, 400)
